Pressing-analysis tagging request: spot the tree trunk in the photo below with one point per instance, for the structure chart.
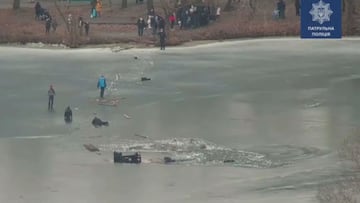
(62, 16)
(110, 3)
(124, 4)
(350, 14)
(16, 4)
(228, 6)
(71, 28)
(150, 4)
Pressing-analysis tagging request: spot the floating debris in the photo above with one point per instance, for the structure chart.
(91, 148)
(126, 116)
(142, 136)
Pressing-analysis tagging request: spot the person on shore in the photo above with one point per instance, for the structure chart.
(98, 8)
(162, 36)
(38, 10)
(47, 25)
(154, 24)
(69, 19)
(149, 22)
(51, 94)
(161, 22)
(151, 12)
(93, 4)
(297, 7)
(102, 85)
(281, 8)
(141, 26)
(68, 115)
(172, 20)
(54, 24)
(80, 25)
(87, 28)
(218, 12)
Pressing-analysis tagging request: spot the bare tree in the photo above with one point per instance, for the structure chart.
(228, 5)
(124, 4)
(350, 7)
(71, 27)
(150, 4)
(16, 4)
(110, 3)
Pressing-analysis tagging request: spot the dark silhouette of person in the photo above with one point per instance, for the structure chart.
(281, 8)
(297, 7)
(80, 25)
(141, 25)
(47, 25)
(38, 10)
(162, 36)
(51, 94)
(97, 122)
(54, 24)
(68, 115)
(161, 22)
(87, 28)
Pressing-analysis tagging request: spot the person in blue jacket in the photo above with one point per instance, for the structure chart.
(102, 85)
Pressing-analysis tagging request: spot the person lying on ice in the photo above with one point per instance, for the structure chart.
(97, 122)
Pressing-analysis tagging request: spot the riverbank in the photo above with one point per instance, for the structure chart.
(117, 26)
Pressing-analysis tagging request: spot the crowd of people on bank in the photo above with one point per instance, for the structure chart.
(184, 17)
(43, 14)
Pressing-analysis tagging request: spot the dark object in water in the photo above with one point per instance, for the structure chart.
(142, 136)
(97, 122)
(145, 79)
(168, 160)
(229, 161)
(135, 57)
(130, 159)
(91, 148)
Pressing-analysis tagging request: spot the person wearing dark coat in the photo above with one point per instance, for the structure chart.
(141, 26)
(97, 122)
(87, 28)
(161, 22)
(47, 25)
(68, 115)
(281, 8)
(297, 7)
(162, 36)
(38, 10)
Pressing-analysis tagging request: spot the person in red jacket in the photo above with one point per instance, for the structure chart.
(172, 20)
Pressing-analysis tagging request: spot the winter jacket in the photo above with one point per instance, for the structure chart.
(101, 82)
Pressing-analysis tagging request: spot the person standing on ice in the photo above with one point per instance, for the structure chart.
(51, 94)
(68, 115)
(102, 85)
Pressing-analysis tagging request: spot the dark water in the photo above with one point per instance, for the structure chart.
(279, 109)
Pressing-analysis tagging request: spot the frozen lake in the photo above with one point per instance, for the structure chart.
(279, 108)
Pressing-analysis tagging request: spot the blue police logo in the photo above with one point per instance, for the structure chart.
(321, 12)
(321, 19)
